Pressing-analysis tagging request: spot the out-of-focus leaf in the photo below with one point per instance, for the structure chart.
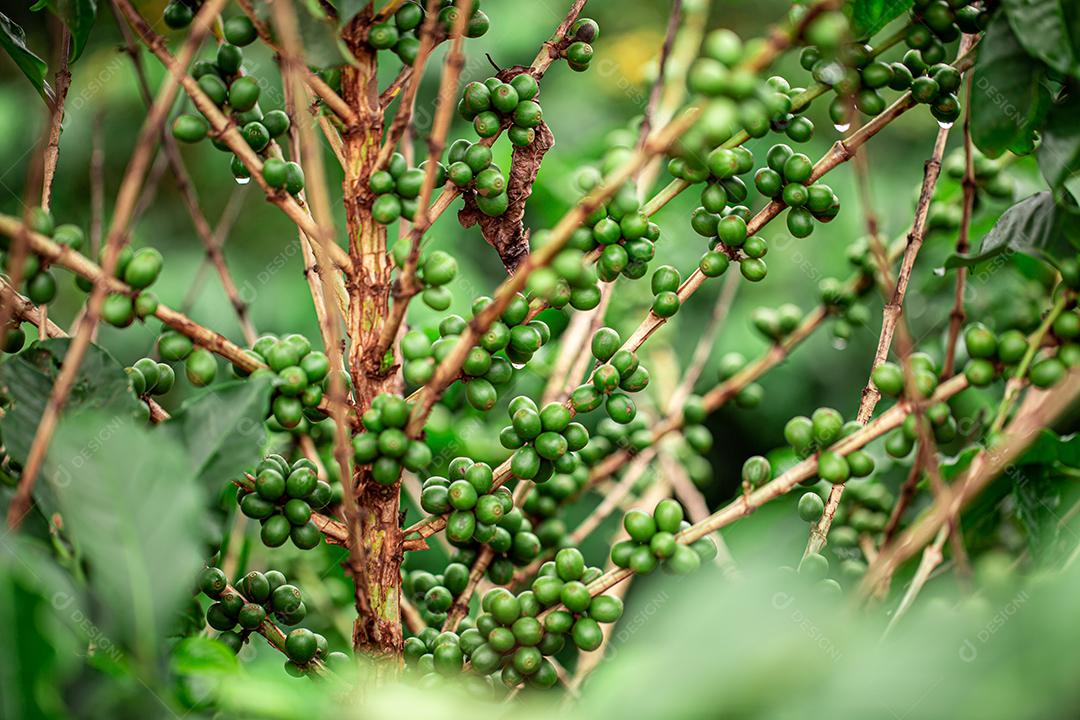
(1039, 25)
(1059, 153)
(347, 10)
(1007, 92)
(78, 16)
(135, 508)
(323, 46)
(1034, 226)
(101, 386)
(13, 40)
(224, 431)
(39, 609)
(203, 656)
(869, 16)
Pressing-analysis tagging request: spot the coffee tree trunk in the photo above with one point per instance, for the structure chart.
(376, 568)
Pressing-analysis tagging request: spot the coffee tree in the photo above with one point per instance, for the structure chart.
(412, 494)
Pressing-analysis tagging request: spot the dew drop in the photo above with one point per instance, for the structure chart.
(839, 343)
(842, 127)
(243, 181)
(944, 125)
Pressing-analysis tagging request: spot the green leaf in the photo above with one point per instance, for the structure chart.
(1034, 226)
(869, 16)
(40, 612)
(13, 40)
(135, 509)
(27, 378)
(203, 656)
(1039, 25)
(78, 16)
(1059, 153)
(347, 10)
(323, 46)
(1007, 93)
(224, 431)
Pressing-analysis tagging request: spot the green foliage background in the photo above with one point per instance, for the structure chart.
(746, 650)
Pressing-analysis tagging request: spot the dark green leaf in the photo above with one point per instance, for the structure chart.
(135, 510)
(1034, 226)
(1007, 93)
(78, 16)
(28, 377)
(1059, 154)
(13, 40)
(323, 47)
(869, 16)
(224, 431)
(1039, 25)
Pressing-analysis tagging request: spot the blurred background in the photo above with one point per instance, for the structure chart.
(583, 110)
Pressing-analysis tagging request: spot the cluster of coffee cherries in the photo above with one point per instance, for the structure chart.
(665, 285)
(39, 283)
(751, 395)
(471, 168)
(437, 270)
(515, 634)
(384, 445)
(397, 189)
(478, 513)
(401, 33)
(139, 269)
(787, 180)
(841, 300)
(200, 366)
(653, 541)
(255, 597)
(989, 353)
(624, 233)
(222, 80)
(619, 371)
(282, 497)
(546, 500)
(775, 324)
(434, 595)
(149, 377)
(864, 508)
(485, 367)
(494, 104)
(299, 374)
(544, 440)
(741, 97)
(581, 35)
(817, 433)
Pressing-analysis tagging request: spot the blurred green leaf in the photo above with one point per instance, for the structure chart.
(1007, 92)
(13, 40)
(347, 10)
(203, 656)
(224, 430)
(78, 16)
(1039, 25)
(38, 611)
(869, 16)
(323, 46)
(135, 508)
(27, 378)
